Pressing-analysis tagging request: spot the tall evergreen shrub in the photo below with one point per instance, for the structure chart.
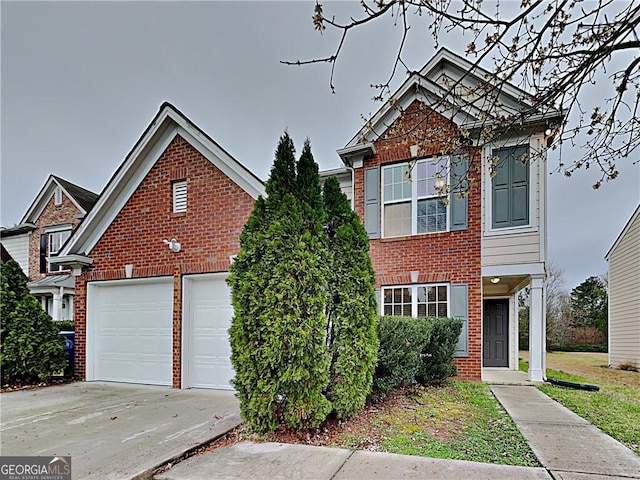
(351, 310)
(31, 349)
(279, 288)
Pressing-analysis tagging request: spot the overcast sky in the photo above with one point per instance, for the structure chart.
(81, 81)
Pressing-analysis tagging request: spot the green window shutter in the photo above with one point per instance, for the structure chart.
(458, 196)
(372, 202)
(459, 309)
(510, 188)
(519, 188)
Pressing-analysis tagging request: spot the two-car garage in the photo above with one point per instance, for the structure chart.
(130, 334)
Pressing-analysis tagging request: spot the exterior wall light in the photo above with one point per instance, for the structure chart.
(495, 280)
(173, 245)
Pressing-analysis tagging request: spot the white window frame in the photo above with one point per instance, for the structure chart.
(414, 197)
(536, 181)
(178, 188)
(58, 234)
(414, 295)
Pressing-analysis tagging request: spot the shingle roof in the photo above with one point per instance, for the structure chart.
(84, 197)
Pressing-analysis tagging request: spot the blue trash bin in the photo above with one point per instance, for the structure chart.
(69, 348)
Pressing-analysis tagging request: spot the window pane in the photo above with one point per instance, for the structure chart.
(406, 295)
(431, 309)
(397, 295)
(397, 219)
(431, 294)
(422, 310)
(396, 186)
(442, 310)
(387, 310)
(407, 310)
(442, 293)
(387, 295)
(422, 295)
(397, 310)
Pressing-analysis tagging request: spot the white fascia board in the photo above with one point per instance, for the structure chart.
(514, 270)
(41, 200)
(624, 231)
(470, 70)
(71, 259)
(222, 160)
(119, 190)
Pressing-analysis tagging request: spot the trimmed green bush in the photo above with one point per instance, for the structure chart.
(402, 341)
(415, 350)
(65, 325)
(352, 335)
(437, 356)
(31, 349)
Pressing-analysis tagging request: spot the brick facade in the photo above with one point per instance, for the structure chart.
(65, 213)
(438, 257)
(209, 232)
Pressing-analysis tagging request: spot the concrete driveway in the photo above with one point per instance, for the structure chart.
(111, 430)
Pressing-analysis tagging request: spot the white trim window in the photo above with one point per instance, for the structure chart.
(180, 196)
(415, 206)
(57, 239)
(429, 300)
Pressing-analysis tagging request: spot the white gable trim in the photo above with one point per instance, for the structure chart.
(153, 143)
(42, 199)
(624, 231)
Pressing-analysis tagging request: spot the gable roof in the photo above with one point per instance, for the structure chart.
(82, 198)
(634, 217)
(435, 84)
(168, 122)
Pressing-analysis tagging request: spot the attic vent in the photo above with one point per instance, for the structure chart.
(58, 196)
(180, 196)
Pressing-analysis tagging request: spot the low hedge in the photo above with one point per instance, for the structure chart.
(415, 350)
(577, 348)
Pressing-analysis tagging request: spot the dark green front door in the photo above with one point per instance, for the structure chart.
(495, 333)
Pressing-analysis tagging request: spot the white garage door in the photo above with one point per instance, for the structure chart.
(129, 331)
(207, 317)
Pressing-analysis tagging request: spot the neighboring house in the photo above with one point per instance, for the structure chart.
(465, 256)
(152, 257)
(55, 213)
(624, 295)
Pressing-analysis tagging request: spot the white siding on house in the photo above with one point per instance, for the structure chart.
(517, 245)
(18, 248)
(624, 296)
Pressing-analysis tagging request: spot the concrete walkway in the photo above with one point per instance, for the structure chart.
(568, 446)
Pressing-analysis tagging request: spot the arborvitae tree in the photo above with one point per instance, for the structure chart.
(351, 328)
(278, 283)
(31, 349)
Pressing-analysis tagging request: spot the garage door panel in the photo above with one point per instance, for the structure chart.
(209, 352)
(133, 328)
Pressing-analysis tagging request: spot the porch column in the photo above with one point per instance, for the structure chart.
(56, 311)
(537, 335)
(43, 301)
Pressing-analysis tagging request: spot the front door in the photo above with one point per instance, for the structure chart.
(495, 332)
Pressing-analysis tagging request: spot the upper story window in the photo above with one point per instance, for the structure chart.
(416, 300)
(180, 196)
(51, 243)
(510, 188)
(413, 207)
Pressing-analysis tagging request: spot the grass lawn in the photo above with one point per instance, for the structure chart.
(461, 420)
(615, 409)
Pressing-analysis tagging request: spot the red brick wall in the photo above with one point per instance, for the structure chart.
(438, 257)
(209, 232)
(52, 214)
